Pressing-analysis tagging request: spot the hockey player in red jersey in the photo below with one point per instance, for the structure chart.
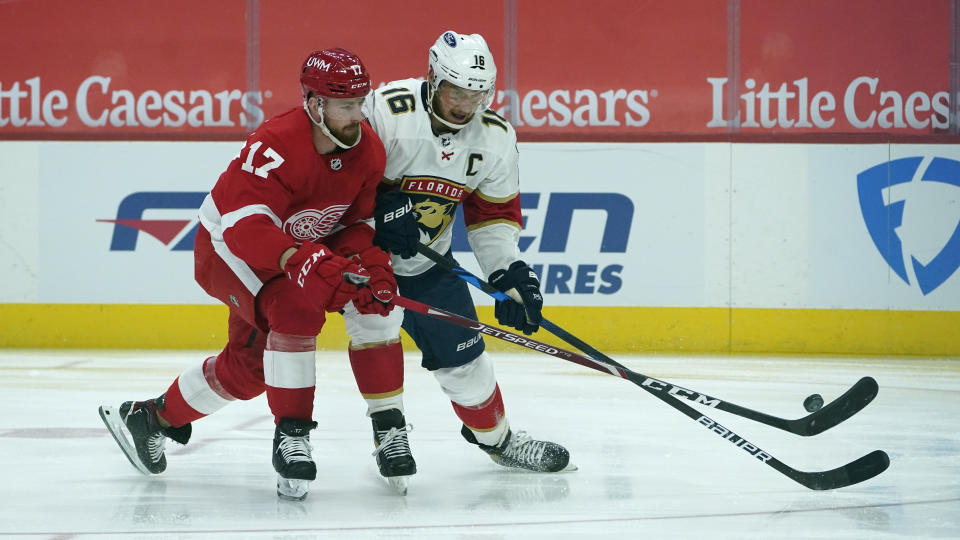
(444, 148)
(290, 215)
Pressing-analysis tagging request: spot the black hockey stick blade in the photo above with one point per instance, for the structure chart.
(859, 470)
(850, 403)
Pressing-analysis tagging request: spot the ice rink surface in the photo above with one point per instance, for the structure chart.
(645, 470)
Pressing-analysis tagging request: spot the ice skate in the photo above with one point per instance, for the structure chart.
(138, 432)
(521, 451)
(292, 459)
(393, 449)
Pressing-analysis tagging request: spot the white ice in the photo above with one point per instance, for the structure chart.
(645, 470)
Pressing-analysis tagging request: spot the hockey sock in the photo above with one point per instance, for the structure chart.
(486, 420)
(290, 374)
(193, 395)
(378, 370)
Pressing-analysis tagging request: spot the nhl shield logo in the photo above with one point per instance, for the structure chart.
(336, 164)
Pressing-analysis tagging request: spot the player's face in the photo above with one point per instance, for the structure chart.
(343, 117)
(455, 104)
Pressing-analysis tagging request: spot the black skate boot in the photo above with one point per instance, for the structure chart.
(521, 451)
(292, 459)
(137, 430)
(393, 449)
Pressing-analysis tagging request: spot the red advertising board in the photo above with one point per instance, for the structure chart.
(610, 70)
(850, 66)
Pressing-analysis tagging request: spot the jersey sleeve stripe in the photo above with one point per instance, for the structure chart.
(492, 199)
(231, 218)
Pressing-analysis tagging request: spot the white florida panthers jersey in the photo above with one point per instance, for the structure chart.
(476, 166)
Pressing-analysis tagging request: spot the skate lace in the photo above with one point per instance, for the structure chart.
(155, 444)
(524, 449)
(294, 448)
(393, 442)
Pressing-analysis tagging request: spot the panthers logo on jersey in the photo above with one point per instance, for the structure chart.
(435, 203)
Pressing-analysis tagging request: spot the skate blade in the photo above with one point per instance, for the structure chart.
(571, 467)
(398, 483)
(111, 419)
(292, 489)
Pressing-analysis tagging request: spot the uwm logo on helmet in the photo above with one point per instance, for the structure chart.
(318, 63)
(98, 102)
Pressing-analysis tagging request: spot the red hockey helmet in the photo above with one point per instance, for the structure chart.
(334, 73)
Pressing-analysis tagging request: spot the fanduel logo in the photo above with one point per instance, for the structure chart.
(586, 278)
(910, 207)
(553, 235)
(179, 233)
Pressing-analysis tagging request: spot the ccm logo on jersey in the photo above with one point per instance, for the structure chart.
(399, 212)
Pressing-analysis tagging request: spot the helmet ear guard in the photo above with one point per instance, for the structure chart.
(463, 60)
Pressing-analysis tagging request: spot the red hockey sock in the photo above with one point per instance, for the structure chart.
(289, 371)
(378, 370)
(194, 394)
(483, 417)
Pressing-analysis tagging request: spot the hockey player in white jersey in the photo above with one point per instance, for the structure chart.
(446, 147)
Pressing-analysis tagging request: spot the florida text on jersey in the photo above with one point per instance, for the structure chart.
(476, 166)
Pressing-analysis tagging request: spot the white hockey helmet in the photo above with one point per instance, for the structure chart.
(464, 61)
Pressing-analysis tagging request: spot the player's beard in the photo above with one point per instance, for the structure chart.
(347, 134)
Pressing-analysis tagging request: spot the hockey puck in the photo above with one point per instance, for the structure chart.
(813, 402)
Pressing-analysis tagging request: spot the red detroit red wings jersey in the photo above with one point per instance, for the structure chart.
(279, 192)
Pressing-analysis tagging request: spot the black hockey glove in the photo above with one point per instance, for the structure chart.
(521, 283)
(397, 228)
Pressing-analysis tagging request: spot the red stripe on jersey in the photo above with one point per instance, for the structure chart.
(478, 210)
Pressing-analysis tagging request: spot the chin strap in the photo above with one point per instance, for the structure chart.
(326, 131)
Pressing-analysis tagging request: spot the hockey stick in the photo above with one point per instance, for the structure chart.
(863, 468)
(848, 404)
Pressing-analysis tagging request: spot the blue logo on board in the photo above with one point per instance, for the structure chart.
(130, 222)
(930, 198)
